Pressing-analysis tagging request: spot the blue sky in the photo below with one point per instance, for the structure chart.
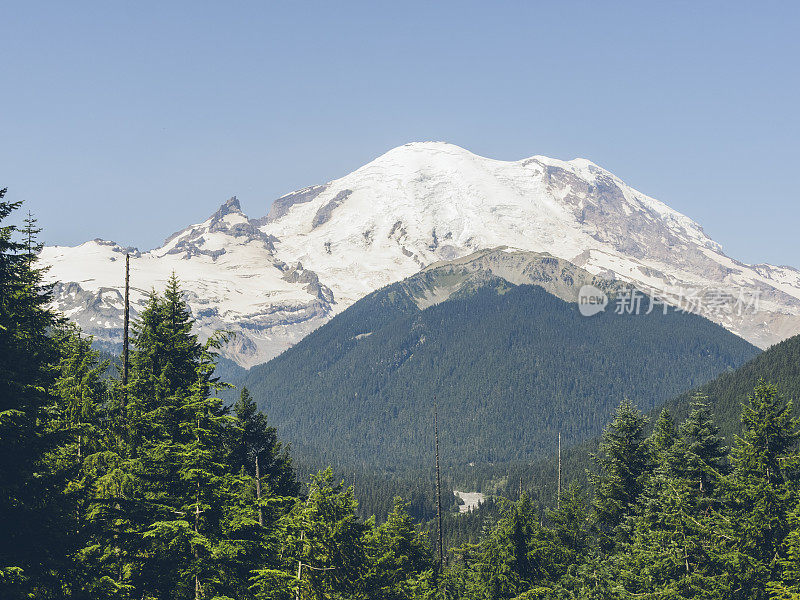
(129, 121)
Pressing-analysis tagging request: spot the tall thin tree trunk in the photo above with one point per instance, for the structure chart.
(300, 565)
(125, 326)
(117, 549)
(258, 493)
(197, 588)
(558, 498)
(438, 485)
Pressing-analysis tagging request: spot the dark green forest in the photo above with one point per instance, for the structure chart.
(157, 489)
(511, 368)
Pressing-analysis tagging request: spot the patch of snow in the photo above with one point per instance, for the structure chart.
(471, 500)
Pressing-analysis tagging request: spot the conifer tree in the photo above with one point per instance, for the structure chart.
(515, 556)
(663, 436)
(81, 392)
(572, 528)
(760, 491)
(787, 584)
(674, 549)
(402, 565)
(327, 542)
(27, 358)
(704, 459)
(256, 449)
(623, 461)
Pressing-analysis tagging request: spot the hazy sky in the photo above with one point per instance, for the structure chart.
(130, 120)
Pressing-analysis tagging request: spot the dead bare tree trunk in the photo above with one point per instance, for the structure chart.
(438, 485)
(198, 590)
(558, 498)
(300, 566)
(125, 327)
(258, 493)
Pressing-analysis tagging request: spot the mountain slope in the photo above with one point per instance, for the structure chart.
(511, 365)
(275, 279)
(725, 394)
(779, 365)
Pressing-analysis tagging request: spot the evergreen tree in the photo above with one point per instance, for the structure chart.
(704, 459)
(256, 449)
(572, 529)
(760, 491)
(623, 461)
(787, 585)
(186, 488)
(675, 547)
(27, 358)
(402, 564)
(663, 436)
(515, 556)
(78, 422)
(327, 542)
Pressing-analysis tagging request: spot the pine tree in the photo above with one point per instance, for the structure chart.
(188, 534)
(262, 470)
(167, 499)
(663, 436)
(704, 459)
(27, 358)
(327, 542)
(514, 557)
(787, 584)
(76, 421)
(760, 491)
(674, 548)
(572, 529)
(402, 563)
(256, 449)
(186, 485)
(623, 461)
(81, 392)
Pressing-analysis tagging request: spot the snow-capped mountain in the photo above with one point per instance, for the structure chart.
(272, 280)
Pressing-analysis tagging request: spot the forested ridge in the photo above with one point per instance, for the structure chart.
(511, 368)
(157, 490)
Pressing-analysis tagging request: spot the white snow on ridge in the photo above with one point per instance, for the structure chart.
(242, 289)
(322, 248)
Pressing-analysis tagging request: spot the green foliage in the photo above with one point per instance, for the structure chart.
(28, 355)
(511, 367)
(255, 448)
(623, 462)
(787, 583)
(779, 364)
(156, 490)
(701, 453)
(401, 563)
(761, 490)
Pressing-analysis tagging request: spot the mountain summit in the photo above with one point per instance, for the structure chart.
(274, 279)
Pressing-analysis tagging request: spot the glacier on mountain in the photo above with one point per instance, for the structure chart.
(274, 279)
